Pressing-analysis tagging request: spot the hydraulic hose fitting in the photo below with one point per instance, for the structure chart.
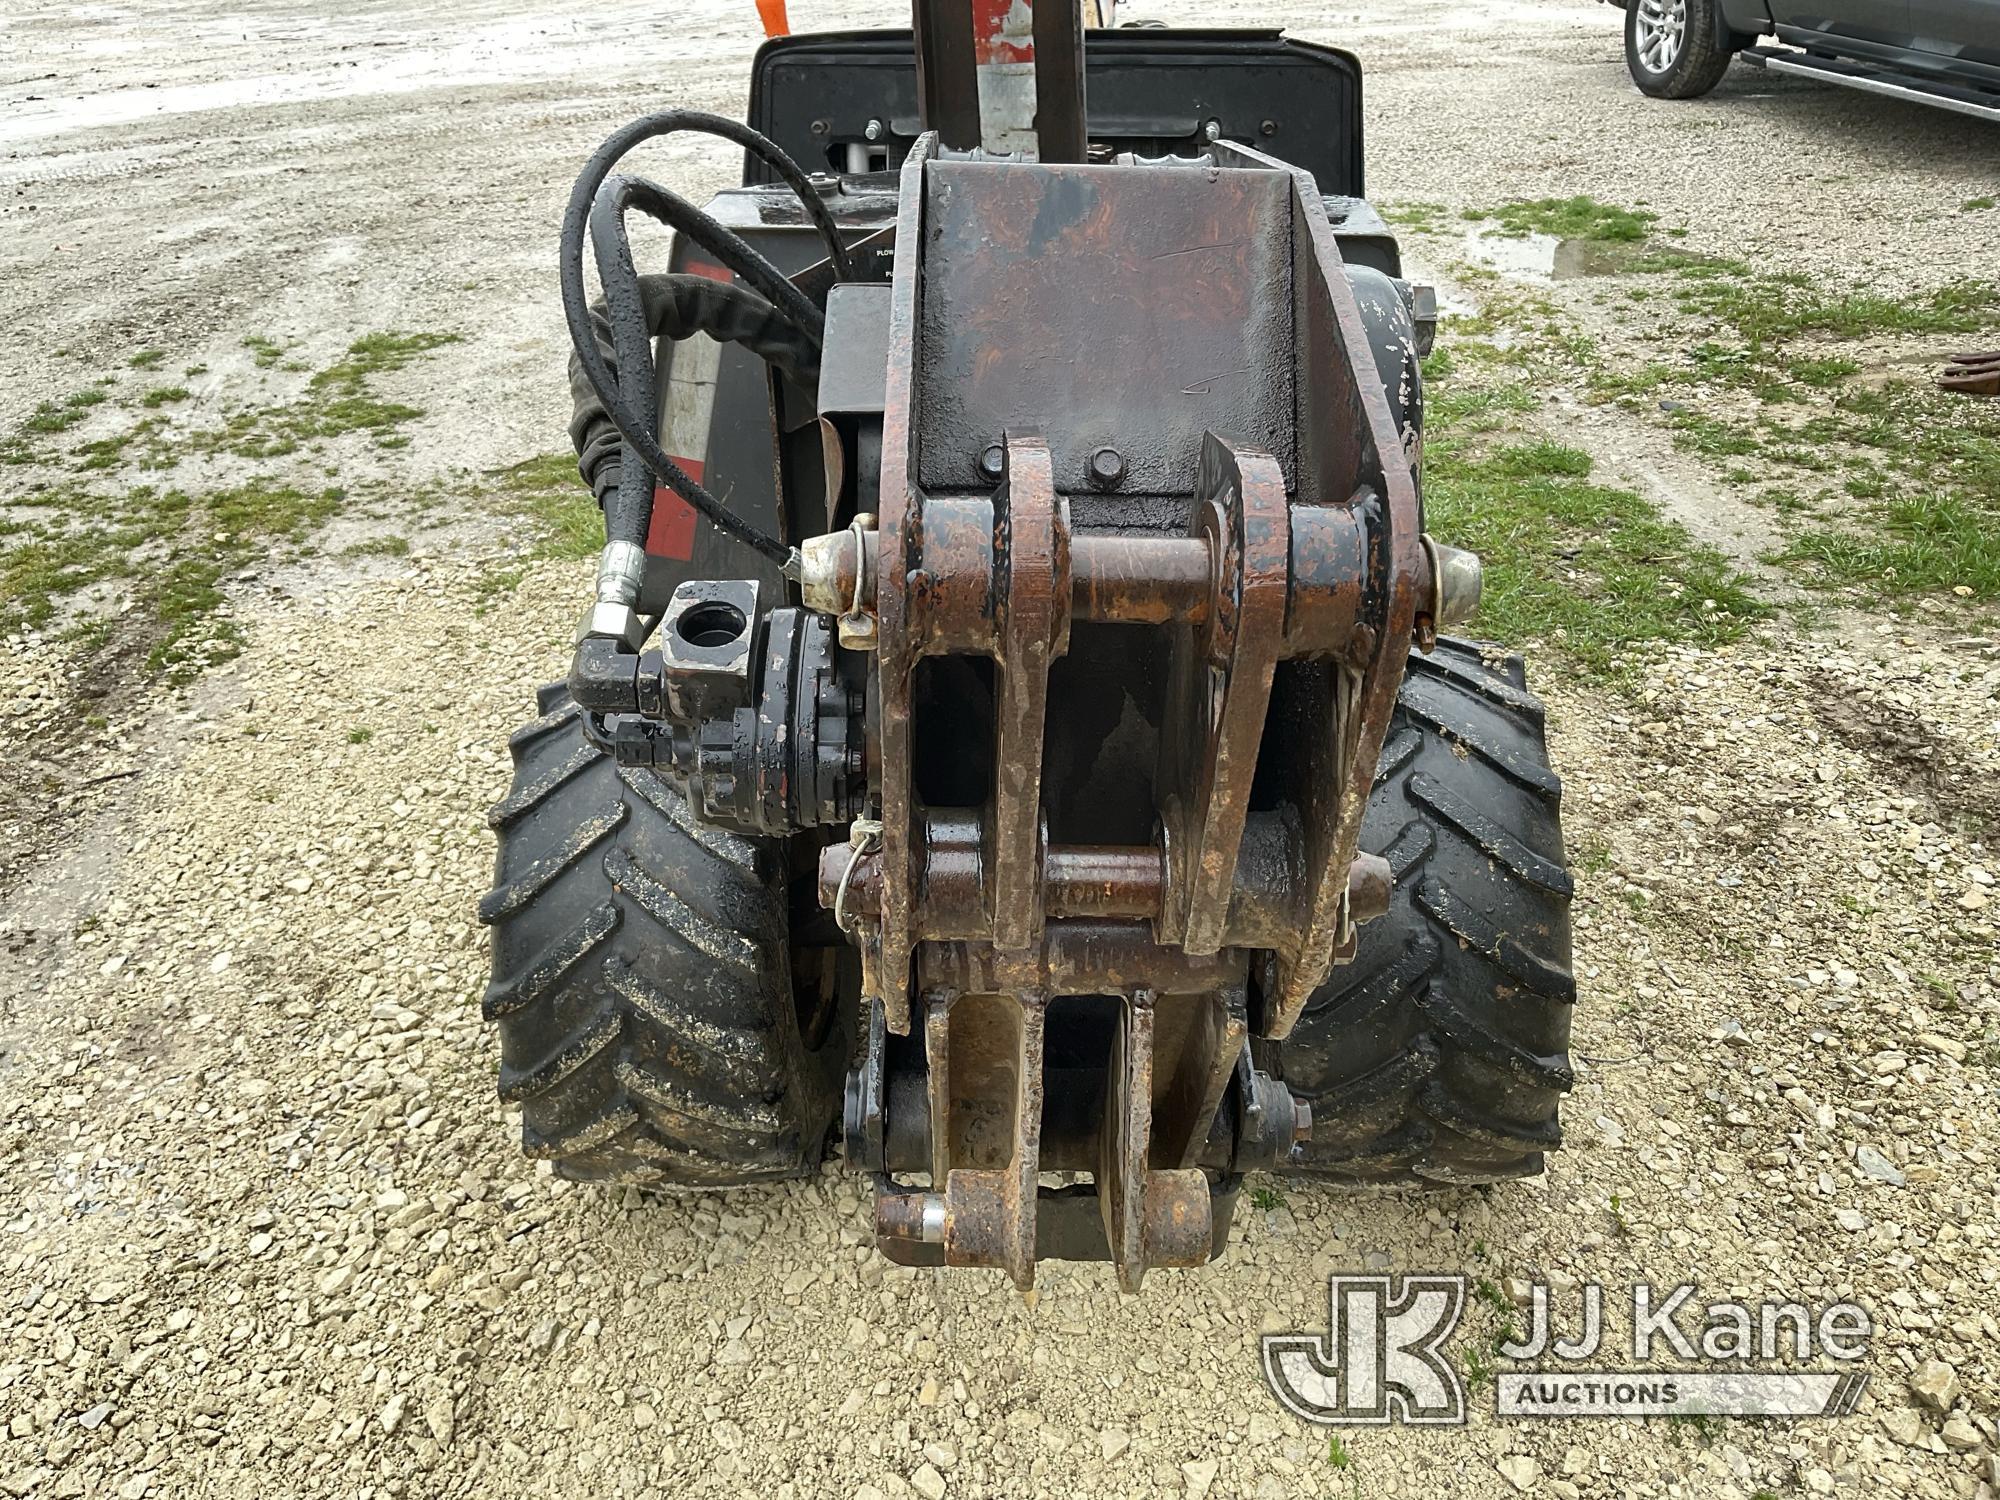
(621, 568)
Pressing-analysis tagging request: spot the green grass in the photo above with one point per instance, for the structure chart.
(380, 546)
(1578, 218)
(1764, 311)
(169, 552)
(1420, 217)
(337, 401)
(549, 491)
(1976, 205)
(147, 359)
(1592, 569)
(1807, 422)
(1933, 544)
(360, 736)
(562, 514)
(60, 416)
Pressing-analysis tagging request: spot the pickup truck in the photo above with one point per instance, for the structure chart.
(1940, 52)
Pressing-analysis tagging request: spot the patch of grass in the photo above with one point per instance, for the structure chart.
(1578, 218)
(167, 550)
(160, 395)
(1821, 373)
(108, 452)
(1421, 217)
(1266, 1198)
(1763, 310)
(264, 351)
(360, 736)
(147, 359)
(1588, 567)
(1976, 205)
(548, 490)
(1700, 1425)
(338, 400)
(380, 546)
(1939, 543)
(1340, 1459)
(60, 416)
(1540, 459)
(1479, 1368)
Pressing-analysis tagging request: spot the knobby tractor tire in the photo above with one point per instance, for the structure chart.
(1439, 1055)
(641, 979)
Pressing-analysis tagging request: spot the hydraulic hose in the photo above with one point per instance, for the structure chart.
(626, 522)
(677, 307)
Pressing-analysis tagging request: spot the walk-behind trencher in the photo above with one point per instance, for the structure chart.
(1012, 743)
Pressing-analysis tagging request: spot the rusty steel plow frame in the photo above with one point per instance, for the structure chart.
(1291, 596)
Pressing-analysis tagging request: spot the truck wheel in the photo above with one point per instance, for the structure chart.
(1438, 1056)
(642, 981)
(1671, 49)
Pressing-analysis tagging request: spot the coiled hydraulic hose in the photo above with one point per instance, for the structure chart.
(628, 521)
(677, 306)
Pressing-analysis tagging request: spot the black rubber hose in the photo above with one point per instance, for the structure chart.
(678, 306)
(701, 122)
(628, 513)
(629, 521)
(612, 243)
(628, 510)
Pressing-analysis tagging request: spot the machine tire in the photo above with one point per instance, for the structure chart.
(642, 980)
(1440, 1054)
(1695, 69)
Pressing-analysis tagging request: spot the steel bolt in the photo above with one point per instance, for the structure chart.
(1107, 468)
(1269, 127)
(993, 463)
(1212, 131)
(822, 127)
(875, 130)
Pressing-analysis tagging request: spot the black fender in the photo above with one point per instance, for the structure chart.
(1387, 306)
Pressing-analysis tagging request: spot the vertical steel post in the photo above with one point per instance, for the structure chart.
(1061, 124)
(947, 71)
(982, 80)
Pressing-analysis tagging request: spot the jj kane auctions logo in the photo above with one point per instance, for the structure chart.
(1382, 1358)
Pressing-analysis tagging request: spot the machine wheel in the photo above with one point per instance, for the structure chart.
(642, 982)
(1440, 1053)
(1670, 47)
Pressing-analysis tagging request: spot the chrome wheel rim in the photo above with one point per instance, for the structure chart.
(1660, 31)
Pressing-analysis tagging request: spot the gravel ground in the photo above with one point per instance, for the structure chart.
(266, 1231)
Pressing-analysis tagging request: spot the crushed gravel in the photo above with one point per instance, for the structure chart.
(265, 1231)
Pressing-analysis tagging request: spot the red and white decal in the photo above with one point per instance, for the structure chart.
(690, 406)
(1003, 42)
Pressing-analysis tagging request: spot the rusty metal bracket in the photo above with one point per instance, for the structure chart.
(1220, 687)
(1031, 609)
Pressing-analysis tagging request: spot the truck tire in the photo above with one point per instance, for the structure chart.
(1671, 47)
(642, 980)
(1439, 1055)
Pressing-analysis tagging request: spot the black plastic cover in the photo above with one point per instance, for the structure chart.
(1150, 91)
